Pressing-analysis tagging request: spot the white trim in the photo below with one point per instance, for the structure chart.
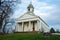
(25, 20)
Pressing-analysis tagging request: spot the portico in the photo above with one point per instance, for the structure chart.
(28, 26)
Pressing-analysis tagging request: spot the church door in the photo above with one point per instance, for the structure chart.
(33, 26)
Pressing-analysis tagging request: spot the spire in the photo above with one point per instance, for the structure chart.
(30, 2)
(30, 7)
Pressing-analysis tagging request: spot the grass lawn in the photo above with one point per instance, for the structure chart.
(28, 36)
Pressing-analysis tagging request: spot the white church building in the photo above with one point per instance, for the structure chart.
(29, 22)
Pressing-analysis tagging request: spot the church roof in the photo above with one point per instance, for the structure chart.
(32, 14)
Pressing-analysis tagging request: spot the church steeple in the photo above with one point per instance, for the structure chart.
(30, 7)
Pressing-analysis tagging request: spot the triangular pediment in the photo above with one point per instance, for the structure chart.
(27, 16)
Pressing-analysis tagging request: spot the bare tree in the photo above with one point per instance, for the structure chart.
(5, 11)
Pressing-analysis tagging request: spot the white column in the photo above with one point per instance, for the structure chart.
(29, 25)
(38, 25)
(23, 26)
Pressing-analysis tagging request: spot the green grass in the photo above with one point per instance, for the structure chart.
(28, 36)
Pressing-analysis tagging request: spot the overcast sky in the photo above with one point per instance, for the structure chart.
(48, 10)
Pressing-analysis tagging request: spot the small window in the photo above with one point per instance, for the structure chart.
(29, 9)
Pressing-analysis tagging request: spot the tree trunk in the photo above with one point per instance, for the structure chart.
(4, 27)
(1, 24)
